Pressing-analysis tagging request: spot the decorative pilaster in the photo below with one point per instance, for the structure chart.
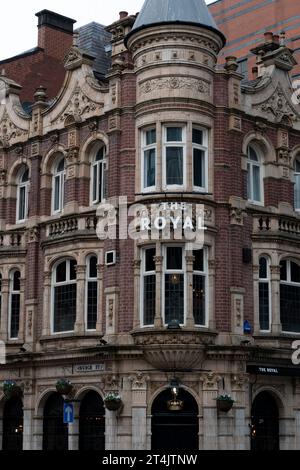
(47, 304)
(80, 303)
(158, 321)
(275, 296)
(190, 322)
(210, 415)
(139, 412)
(137, 280)
(4, 310)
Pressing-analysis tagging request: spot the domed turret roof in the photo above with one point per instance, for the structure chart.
(156, 12)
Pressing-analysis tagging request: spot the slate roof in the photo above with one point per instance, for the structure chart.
(93, 38)
(175, 11)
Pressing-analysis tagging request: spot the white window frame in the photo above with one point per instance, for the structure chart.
(267, 281)
(145, 147)
(296, 173)
(290, 283)
(204, 148)
(166, 144)
(166, 271)
(95, 166)
(206, 278)
(22, 185)
(58, 284)
(250, 165)
(61, 176)
(11, 293)
(90, 279)
(144, 274)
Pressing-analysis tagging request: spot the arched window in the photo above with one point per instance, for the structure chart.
(264, 294)
(14, 304)
(64, 296)
(254, 175)
(297, 184)
(97, 176)
(91, 294)
(290, 296)
(58, 188)
(22, 195)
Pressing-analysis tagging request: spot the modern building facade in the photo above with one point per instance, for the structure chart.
(168, 326)
(244, 23)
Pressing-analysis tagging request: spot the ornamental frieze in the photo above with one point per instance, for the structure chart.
(175, 83)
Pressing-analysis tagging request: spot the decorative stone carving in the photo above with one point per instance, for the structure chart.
(283, 138)
(139, 381)
(175, 83)
(9, 131)
(33, 234)
(79, 106)
(3, 176)
(278, 106)
(238, 381)
(210, 381)
(236, 216)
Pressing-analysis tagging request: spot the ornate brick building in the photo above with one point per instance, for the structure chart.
(167, 328)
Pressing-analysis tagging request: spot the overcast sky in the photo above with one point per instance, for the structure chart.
(18, 31)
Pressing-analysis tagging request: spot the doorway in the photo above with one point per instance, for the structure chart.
(13, 425)
(92, 423)
(264, 423)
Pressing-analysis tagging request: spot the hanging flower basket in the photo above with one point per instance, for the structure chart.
(64, 387)
(224, 403)
(11, 389)
(112, 401)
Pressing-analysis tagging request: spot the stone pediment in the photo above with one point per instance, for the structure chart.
(278, 107)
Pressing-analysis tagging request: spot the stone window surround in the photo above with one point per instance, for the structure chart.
(81, 257)
(274, 260)
(210, 279)
(5, 303)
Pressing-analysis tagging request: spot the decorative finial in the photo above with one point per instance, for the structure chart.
(282, 38)
(40, 94)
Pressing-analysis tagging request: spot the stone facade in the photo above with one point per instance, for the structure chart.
(163, 76)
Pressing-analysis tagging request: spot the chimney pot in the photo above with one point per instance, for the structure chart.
(268, 36)
(276, 38)
(123, 14)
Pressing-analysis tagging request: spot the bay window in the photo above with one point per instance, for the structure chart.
(64, 296)
(149, 159)
(200, 160)
(264, 294)
(174, 156)
(290, 296)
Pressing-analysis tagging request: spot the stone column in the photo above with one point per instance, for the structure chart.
(210, 414)
(158, 321)
(211, 294)
(22, 310)
(111, 430)
(38, 433)
(80, 299)
(28, 409)
(139, 413)
(189, 259)
(4, 310)
(241, 430)
(47, 305)
(275, 300)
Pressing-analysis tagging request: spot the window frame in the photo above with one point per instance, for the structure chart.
(250, 165)
(144, 274)
(165, 272)
(296, 173)
(22, 185)
(144, 149)
(61, 176)
(96, 164)
(59, 284)
(89, 279)
(266, 280)
(174, 144)
(288, 282)
(206, 280)
(11, 293)
(204, 148)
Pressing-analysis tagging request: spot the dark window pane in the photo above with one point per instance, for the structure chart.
(295, 272)
(100, 154)
(61, 165)
(264, 302)
(199, 299)
(93, 267)
(174, 134)
(198, 261)
(92, 305)
(199, 168)
(174, 165)
(283, 270)
(16, 283)
(25, 176)
(64, 308)
(151, 137)
(149, 299)
(197, 136)
(174, 258)
(15, 315)
(174, 298)
(150, 263)
(95, 180)
(73, 265)
(61, 272)
(57, 194)
(290, 308)
(297, 166)
(263, 268)
(149, 164)
(253, 155)
(22, 203)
